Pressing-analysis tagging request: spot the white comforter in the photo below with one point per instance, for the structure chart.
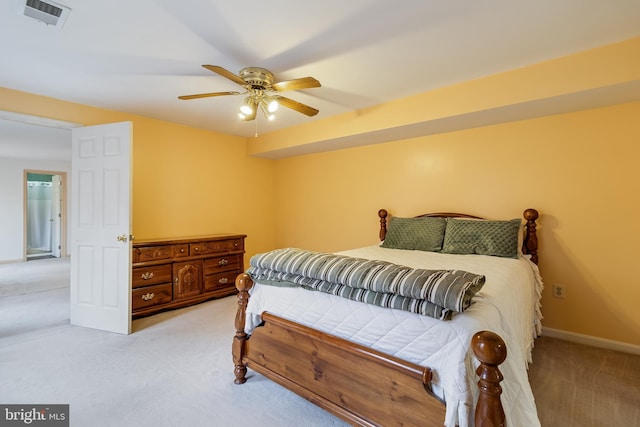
(508, 304)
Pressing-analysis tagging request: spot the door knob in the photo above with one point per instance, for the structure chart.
(122, 238)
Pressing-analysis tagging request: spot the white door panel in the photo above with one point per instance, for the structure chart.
(101, 226)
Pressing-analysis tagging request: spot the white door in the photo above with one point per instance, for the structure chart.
(101, 226)
(56, 214)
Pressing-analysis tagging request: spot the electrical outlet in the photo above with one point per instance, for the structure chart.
(558, 290)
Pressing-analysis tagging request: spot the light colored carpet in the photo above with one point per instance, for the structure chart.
(34, 275)
(583, 386)
(176, 368)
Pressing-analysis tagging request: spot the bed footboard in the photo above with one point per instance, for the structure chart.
(356, 383)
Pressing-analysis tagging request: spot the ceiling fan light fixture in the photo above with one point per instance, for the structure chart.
(272, 105)
(266, 106)
(247, 106)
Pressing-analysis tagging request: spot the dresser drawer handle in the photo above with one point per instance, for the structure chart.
(147, 275)
(223, 261)
(223, 280)
(182, 250)
(148, 296)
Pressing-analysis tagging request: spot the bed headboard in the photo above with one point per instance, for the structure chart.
(529, 244)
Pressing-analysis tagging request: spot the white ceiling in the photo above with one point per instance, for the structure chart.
(139, 56)
(20, 140)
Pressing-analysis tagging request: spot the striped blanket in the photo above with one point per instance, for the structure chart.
(435, 293)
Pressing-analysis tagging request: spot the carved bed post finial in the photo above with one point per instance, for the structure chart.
(243, 284)
(531, 239)
(491, 351)
(382, 213)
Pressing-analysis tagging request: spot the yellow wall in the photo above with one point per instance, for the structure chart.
(577, 169)
(186, 181)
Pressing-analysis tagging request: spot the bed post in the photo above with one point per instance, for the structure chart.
(491, 351)
(530, 238)
(243, 284)
(382, 213)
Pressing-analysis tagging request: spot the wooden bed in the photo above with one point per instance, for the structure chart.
(358, 384)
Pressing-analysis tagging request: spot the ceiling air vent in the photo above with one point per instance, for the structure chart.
(51, 13)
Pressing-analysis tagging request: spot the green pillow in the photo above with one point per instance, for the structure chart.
(482, 237)
(423, 234)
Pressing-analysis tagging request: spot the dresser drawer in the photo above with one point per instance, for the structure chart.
(222, 263)
(216, 246)
(152, 253)
(180, 250)
(220, 281)
(151, 295)
(151, 275)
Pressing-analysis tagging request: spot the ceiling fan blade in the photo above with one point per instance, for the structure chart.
(297, 106)
(296, 84)
(207, 95)
(225, 73)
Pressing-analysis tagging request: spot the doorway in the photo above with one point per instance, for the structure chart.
(44, 222)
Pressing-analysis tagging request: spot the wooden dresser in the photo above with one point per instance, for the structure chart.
(175, 273)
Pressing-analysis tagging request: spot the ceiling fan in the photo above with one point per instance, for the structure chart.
(262, 91)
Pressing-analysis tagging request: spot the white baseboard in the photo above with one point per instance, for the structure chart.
(592, 341)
